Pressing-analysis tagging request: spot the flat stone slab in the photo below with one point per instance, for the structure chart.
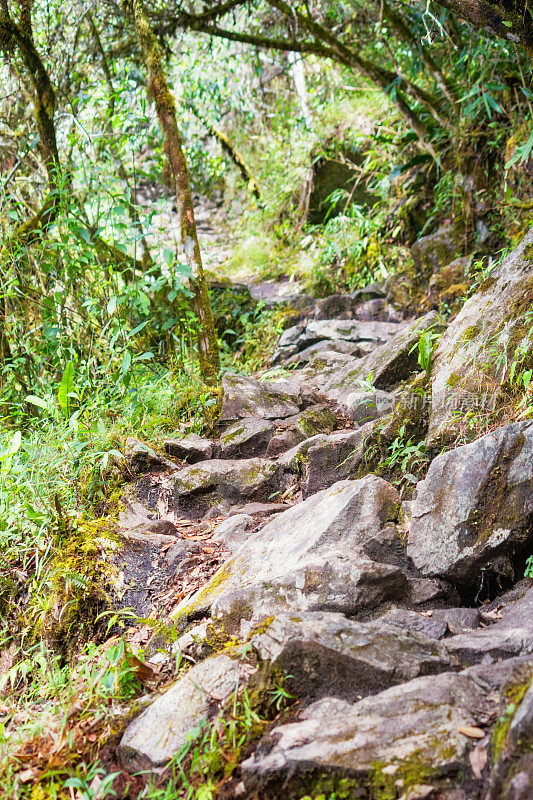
(222, 483)
(248, 397)
(191, 448)
(179, 714)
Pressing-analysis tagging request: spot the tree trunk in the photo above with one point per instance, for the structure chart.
(298, 76)
(159, 91)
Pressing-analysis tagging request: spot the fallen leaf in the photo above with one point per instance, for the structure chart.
(478, 760)
(143, 671)
(493, 614)
(27, 775)
(471, 731)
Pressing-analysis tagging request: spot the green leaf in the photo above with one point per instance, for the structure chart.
(13, 445)
(65, 388)
(112, 305)
(126, 362)
(36, 401)
(522, 153)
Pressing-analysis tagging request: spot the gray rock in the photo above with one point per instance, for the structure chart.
(233, 531)
(327, 654)
(514, 608)
(311, 557)
(480, 343)
(458, 620)
(333, 458)
(141, 458)
(246, 397)
(326, 345)
(336, 306)
(415, 722)
(413, 621)
(475, 507)
(222, 483)
(340, 377)
(377, 309)
(191, 448)
(246, 438)
(356, 332)
(293, 430)
(284, 440)
(351, 330)
(491, 644)
(291, 335)
(259, 509)
(434, 623)
(509, 632)
(179, 714)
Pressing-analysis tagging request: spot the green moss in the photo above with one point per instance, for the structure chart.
(513, 695)
(528, 252)
(453, 380)
(313, 422)
(227, 438)
(78, 578)
(208, 591)
(470, 333)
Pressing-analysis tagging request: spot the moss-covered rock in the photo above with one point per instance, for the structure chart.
(474, 357)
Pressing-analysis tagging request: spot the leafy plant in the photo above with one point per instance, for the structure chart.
(426, 348)
(405, 453)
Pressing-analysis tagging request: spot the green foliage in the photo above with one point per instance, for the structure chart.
(405, 453)
(426, 348)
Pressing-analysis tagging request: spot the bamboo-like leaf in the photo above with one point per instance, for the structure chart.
(65, 388)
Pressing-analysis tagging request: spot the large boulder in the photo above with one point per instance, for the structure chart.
(474, 510)
(323, 653)
(314, 556)
(221, 484)
(420, 728)
(474, 356)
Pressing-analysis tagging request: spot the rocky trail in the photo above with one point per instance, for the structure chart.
(386, 611)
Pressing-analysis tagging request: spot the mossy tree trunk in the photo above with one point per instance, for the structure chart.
(19, 37)
(159, 91)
